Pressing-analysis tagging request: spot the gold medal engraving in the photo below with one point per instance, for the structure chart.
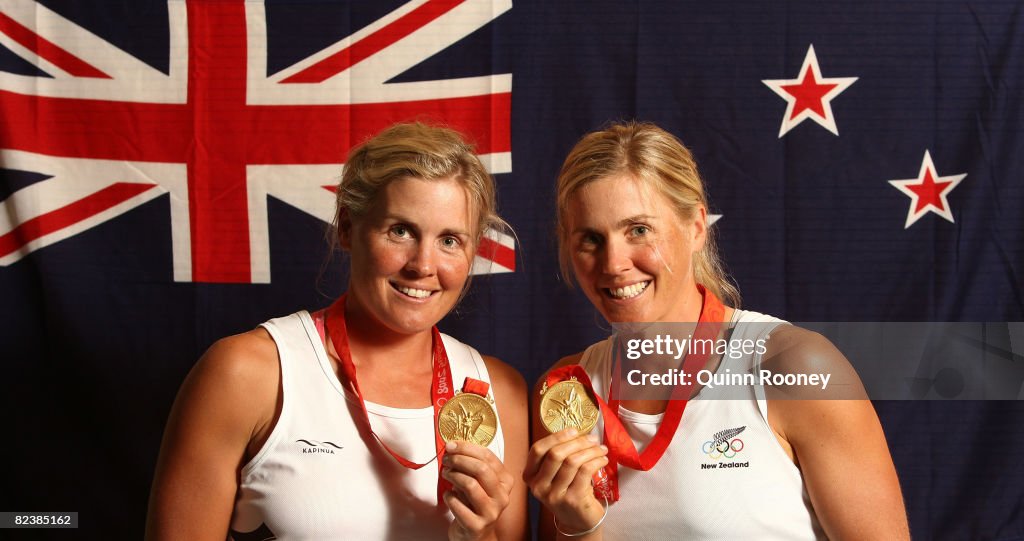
(567, 404)
(468, 417)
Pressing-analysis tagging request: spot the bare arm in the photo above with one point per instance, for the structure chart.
(838, 443)
(226, 404)
(510, 394)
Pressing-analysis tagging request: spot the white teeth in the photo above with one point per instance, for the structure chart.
(417, 293)
(629, 292)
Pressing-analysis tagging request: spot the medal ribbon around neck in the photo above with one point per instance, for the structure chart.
(440, 387)
(620, 446)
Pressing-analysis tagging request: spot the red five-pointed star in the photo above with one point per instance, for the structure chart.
(928, 192)
(809, 96)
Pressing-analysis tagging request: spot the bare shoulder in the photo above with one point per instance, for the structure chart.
(799, 346)
(237, 380)
(504, 375)
(510, 396)
(823, 390)
(224, 410)
(809, 358)
(244, 363)
(251, 350)
(568, 360)
(252, 346)
(835, 437)
(509, 392)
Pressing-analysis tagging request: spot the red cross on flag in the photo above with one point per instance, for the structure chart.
(217, 134)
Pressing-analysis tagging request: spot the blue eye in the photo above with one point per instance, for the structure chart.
(450, 242)
(640, 230)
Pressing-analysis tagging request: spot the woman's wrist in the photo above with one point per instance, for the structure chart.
(580, 524)
(458, 533)
(489, 536)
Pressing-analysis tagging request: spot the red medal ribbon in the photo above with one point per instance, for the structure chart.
(620, 446)
(440, 386)
(476, 386)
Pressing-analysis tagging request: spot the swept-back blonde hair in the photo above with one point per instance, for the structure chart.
(656, 159)
(415, 150)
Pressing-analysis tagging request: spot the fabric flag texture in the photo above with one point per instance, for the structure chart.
(167, 173)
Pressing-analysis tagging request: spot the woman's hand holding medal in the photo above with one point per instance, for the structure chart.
(481, 489)
(561, 466)
(559, 470)
(481, 485)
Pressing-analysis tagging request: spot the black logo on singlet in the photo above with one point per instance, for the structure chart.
(724, 449)
(318, 447)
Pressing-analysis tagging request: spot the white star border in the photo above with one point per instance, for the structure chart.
(928, 166)
(829, 120)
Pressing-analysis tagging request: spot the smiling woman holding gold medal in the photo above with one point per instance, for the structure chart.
(632, 221)
(333, 425)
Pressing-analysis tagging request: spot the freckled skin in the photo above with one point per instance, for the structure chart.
(404, 242)
(622, 235)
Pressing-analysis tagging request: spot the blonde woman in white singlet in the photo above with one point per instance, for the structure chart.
(323, 425)
(633, 232)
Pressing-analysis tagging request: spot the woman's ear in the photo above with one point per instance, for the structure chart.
(344, 229)
(700, 228)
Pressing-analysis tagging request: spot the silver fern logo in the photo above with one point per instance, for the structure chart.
(724, 444)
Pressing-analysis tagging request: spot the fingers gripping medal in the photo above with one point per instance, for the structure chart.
(567, 404)
(469, 415)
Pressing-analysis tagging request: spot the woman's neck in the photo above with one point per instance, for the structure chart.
(370, 339)
(394, 369)
(691, 311)
(691, 304)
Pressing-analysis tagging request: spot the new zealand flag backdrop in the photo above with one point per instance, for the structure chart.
(167, 171)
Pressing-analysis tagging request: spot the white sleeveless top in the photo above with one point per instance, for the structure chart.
(321, 475)
(749, 490)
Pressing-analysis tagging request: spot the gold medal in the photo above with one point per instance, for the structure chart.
(468, 417)
(567, 404)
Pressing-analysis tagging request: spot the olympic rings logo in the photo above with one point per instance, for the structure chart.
(722, 448)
